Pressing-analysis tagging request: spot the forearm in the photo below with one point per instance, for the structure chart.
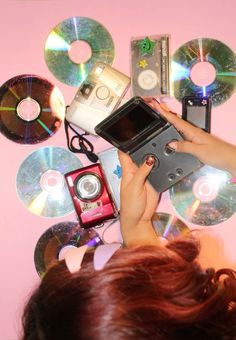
(231, 160)
(223, 156)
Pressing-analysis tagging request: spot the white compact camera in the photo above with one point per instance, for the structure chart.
(97, 97)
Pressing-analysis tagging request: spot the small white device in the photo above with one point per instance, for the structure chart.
(97, 97)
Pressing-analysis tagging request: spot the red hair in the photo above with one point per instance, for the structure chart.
(143, 292)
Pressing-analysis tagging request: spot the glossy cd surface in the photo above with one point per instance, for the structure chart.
(204, 67)
(169, 226)
(55, 241)
(61, 40)
(40, 181)
(31, 109)
(206, 197)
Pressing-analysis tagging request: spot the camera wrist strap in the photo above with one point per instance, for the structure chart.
(85, 146)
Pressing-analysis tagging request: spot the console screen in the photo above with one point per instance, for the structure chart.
(197, 115)
(131, 124)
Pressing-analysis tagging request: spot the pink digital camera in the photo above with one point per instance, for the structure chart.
(90, 195)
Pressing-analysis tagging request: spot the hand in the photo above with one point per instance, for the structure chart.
(208, 148)
(138, 203)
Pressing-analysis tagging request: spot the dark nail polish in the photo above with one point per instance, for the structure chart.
(150, 160)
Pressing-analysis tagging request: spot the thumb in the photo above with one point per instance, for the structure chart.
(185, 146)
(143, 171)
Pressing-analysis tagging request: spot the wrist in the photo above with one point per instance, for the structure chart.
(140, 234)
(232, 170)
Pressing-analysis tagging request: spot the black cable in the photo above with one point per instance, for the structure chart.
(85, 146)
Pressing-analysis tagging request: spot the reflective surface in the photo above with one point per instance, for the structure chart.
(169, 226)
(40, 181)
(205, 197)
(203, 50)
(56, 240)
(31, 109)
(58, 44)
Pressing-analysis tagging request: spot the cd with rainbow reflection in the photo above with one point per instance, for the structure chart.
(55, 241)
(204, 67)
(169, 226)
(31, 109)
(60, 40)
(206, 197)
(40, 181)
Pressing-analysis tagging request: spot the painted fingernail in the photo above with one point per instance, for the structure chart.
(153, 98)
(173, 145)
(150, 160)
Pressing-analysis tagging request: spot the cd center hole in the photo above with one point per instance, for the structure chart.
(52, 182)
(203, 73)
(205, 189)
(79, 51)
(28, 109)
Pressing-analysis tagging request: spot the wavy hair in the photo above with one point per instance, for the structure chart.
(143, 292)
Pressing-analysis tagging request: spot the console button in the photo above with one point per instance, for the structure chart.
(168, 149)
(102, 92)
(179, 172)
(171, 177)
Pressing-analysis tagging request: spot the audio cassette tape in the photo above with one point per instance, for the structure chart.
(150, 66)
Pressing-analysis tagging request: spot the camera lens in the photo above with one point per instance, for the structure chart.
(88, 186)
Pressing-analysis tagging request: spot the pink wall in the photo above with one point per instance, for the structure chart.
(24, 27)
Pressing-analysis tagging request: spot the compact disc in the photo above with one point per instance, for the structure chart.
(55, 241)
(204, 67)
(31, 109)
(62, 38)
(206, 197)
(168, 226)
(40, 181)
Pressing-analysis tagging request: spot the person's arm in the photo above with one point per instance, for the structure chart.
(139, 200)
(138, 203)
(208, 148)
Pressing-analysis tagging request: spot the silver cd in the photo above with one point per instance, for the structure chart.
(40, 181)
(56, 240)
(62, 37)
(169, 226)
(204, 67)
(206, 197)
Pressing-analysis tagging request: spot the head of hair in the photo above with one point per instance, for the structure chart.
(146, 292)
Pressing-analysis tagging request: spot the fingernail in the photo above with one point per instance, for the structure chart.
(153, 98)
(150, 160)
(173, 145)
